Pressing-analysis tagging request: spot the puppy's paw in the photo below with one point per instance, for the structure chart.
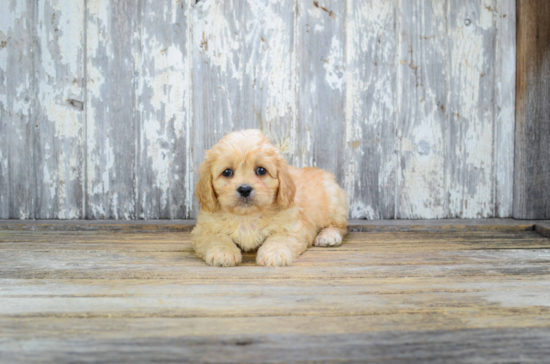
(272, 255)
(328, 237)
(223, 256)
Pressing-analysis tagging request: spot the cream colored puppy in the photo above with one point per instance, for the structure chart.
(251, 199)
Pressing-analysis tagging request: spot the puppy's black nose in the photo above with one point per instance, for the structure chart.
(244, 190)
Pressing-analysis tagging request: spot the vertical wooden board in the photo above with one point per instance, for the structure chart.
(470, 172)
(242, 72)
(321, 85)
(163, 102)
(17, 92)
(422, 104)
(6, 26)
(111, 115)
(371, 90)
(269, 82)
(505, 92)
(532, 142)
(59, 105)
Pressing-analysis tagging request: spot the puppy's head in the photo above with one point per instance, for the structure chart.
(244, 173)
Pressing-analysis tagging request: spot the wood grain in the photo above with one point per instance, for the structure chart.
(112, 46)
(58, 146)
(169, 256)
(163, 97)
(320, 45)
(181, 241)
(372, 42)
(145, 265)
(411, 105)
(266, 301)
(471, 113)
(532, 157)
(141, 294)
(269, 77)
(17, 120)
(423, 57)
(89, 299)
(429, 346)
(21, 328)
(481, 345)
(505, 99)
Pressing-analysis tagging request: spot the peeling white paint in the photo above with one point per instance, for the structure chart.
(370, 105)
(358, 210)
(201, 70)
(334, 65)
(217, 38)
(59, 73)
(472, 195)
(21, 105)
(163, 92)
(16, 114)
(269, 59)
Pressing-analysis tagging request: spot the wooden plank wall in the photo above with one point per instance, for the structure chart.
(532, 158)
(107, 106)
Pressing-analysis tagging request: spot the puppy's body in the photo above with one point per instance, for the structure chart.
(288, 209)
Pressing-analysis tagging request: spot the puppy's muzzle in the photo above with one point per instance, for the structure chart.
(244, 190)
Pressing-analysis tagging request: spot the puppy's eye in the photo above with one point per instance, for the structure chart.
(261, 171)
(227, 173)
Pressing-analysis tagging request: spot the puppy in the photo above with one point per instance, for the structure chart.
(251, 199)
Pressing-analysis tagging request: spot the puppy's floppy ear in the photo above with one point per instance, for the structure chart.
(204, 188)
(287, 188)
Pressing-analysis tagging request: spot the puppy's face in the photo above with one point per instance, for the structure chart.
(244, 174)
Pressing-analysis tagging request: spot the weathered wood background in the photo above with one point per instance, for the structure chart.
(107, 106)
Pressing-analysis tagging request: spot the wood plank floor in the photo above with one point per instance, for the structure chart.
(395, 292)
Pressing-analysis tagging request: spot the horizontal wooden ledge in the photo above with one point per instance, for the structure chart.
(353, 225)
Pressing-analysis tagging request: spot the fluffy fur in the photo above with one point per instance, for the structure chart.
(288, 210)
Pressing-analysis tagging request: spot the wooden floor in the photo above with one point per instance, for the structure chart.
(395, 292)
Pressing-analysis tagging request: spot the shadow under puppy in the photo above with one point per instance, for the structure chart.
(251, 199)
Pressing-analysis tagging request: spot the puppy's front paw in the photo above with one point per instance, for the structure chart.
(271, 255)
(223, 256)
(328, 237)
